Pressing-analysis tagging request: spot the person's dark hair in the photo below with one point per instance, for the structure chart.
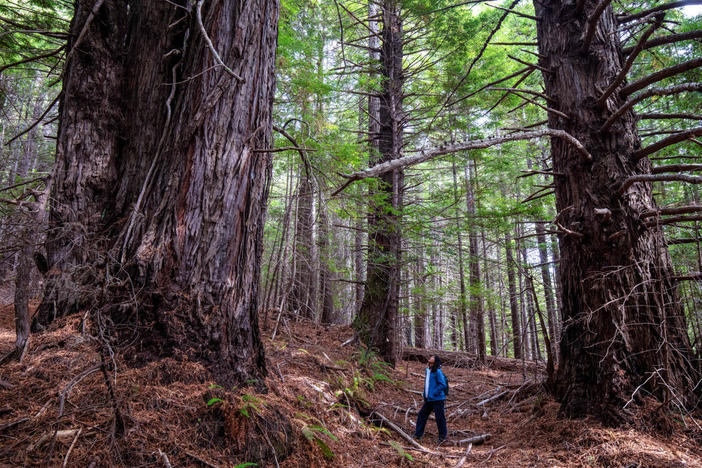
(437, 363)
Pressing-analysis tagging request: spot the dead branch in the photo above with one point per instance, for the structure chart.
(524, 62)
(660, 75)
(672, 211)
(668, 6)
(676, 168)
(426, 155)
(660, 116)
(494, 30)
(630, 60)
(465, 457)
(669, 39)
(687, 87)
(402, 433)
(659, 178)
(690, 277)
(672, 220)
(198, 459)
(6, 426)
(208, 41)
(515, 12)
(684, 240)
(665, 142)
(492, 398)
(592, 21)
(477, 440)
(68, 453)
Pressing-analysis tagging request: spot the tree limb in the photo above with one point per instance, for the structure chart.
(669, 39)
(630, 60)
(668, 6)
(592, 21)
(646, 94)
(426, 155)
(659, 178)
(660, 75)
(671, 140)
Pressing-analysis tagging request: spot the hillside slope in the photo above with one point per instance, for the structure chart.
(320, 410)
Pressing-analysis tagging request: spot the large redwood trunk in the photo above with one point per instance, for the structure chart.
(624, 326)
(160, 193)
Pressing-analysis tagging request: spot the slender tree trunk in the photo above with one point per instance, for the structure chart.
(420, 309)
(477, 313)
(176, 197)
(462, 299)
(548, 287)
(626, 329)
(326, 292)
(513, 304)
(490, 304)
(302, 300)
(377, 320)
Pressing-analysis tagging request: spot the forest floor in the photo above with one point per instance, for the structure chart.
(55, 410)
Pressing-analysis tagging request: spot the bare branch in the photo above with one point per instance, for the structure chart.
(671, 38)
(630, 60)
(218, 59)
(671, 140)
(676, 168)
(523, 15)
(472, 63)
(654, 115)
(662, 74)
(592, 21)
(668, 6)
(646, 94)
(672, 211)
(659, 178)
(426, 155)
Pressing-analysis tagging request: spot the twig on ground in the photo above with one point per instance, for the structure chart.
(204, 462)
(68, 454)
(164, 457)
(465, 457)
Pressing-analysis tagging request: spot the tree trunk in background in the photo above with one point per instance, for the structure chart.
(548, 288)
(494, 343)
(462, 300)
(623, 320)
(477, 314)
(326, 292)
(420, 309)
(377, 321)
(178, 195)
(513, 305)
(302, 300)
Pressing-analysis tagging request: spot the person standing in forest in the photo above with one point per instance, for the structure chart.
(435, 391)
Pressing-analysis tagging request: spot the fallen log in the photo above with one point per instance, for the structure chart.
(467, 360)
(476, 440)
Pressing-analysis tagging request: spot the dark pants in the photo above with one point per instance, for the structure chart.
(438, 407)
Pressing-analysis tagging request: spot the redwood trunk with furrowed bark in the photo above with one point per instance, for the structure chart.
(160, 192)
(624, 326)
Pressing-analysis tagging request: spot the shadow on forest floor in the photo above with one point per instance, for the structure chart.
(174, 413)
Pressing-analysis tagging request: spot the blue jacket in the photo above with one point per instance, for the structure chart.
(437, 386)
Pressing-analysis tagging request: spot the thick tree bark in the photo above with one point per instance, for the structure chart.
(160, 192)
(624, 326)
(377, 321)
